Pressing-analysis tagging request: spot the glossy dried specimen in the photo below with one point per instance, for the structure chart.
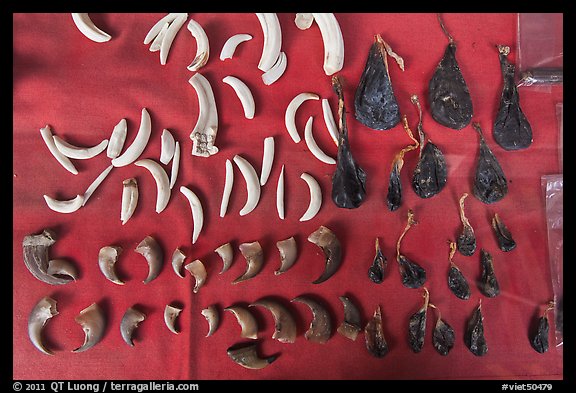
(488, 283)
(474, 335)
(246, 355)
(417, 325)
(349, 179)
(490, 184)
(450, 101)
(539, 337)
(443, 337)
(351, 325)
(36, 259)
(374, 334)
(511, 131)
(330, 245)
(284, 322)
(413, 275)
(320, 329)
(456, 280)
(466, 241)
(378, 267)
(375, 104)
(503, 234)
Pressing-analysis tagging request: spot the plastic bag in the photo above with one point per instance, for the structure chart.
(560, 118)
(553, 187)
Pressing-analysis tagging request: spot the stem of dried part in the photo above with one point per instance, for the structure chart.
(549, 306)
(411, 221)
(431, 305)
(444, 28)
(463, 218)
(426, 296)
(452, 245)
(386, 50)
(398, 160)
(414, 99)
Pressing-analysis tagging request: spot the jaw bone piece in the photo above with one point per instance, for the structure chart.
(178, 258)
(321, 326)
(244, 94)
(202, 46)
(330, 245)
(67, 206)
(288, 254)
(96, 183)
(254, 256)
(129, 199)
(204, 133)
(351, 325)
(252, 184)
(93, 322)
(231, 43)
(167, 146)
(313, 146)
(213, 318)
(89, 29)
(246, 355)
(197, 211)
(272, 40)
(227, 188)
(267, 159)
(226, 252)
(198, 270)
(132, 317)
(107, 258)
(170, 315)
(35, 248)
(315, 197)
(277, 70)
(280, 194)
(150, 249)
(246, 321)
(290, 115)
(139, 143)
(284, 322)
(48, 138)
(77, 152)
(117, 139)
(62, 267)
(161, 179)
(40, 314)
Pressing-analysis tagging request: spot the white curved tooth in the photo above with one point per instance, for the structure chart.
(303, 20)
(204, 133)
(272, 40)
(280, 194)
(47, 136)
(88, 28)
(329, 120)
(290, 116)
(197, 211)
(244, 94)
(162, 182)
(133, 151)
(67, 206)
(267, 159)
(44, 310)
(175, 165)
(171, 32)
(158, 26)
(77, 152)
(252, 184)
(277, 70)
(202, 46)
(155, 45)
(170, 315)
(333, 42)
(167, 146)
(117, 139)
(313, 146)
(227, 188)
(315, 197)
(231, 43)
(96, 183)
(129, 199)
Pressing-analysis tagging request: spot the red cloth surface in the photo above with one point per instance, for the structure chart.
(82, 89)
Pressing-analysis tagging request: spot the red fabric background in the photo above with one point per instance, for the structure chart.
(82, 89)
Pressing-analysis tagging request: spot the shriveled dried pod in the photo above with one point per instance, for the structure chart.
(539, 336)
(488, 283)
(374, 334)
(474, 335)
(456, 280)
(466, 242)
(443, 337)
(378, 267)
(503, 235)
(417, 325)
(413, 275)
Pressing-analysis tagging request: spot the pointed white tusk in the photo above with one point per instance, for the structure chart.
(133, 151)
(244, 94)
(204, 133)
(68, 206)
(267, 159)
(315, 197)
(231, 43)
(77, 152)
(272, 40)
(227, 188)
(202, 46)
(329, 120)
(167, 147)
(48, 138)
(88, 28)
(277, 70)
(158, 26)
(252, 184)
(117, 139)
(197, 211)
(96, 183)
(162, 182)
(333, 42)
(173, 29)
(129, 199)
(155, 45)
(280, 194)
(175, 165)
(313, 146)
(290, 116)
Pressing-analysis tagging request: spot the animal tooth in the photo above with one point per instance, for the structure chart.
(162, 182)
(313, 146)
(35, 250)
(288, 254)
(252, 184)
(277, 70)
(178, 258)
(329, 120)
(155, 45)
(213, 318)
(231, 43)
(351, 325)
(62, 267)
(40, 314)
(227, 188)
(197, 212)
(204, 133)
(284, 322)
(303, 20)
(175, 165)
(320, 329)
(330, 245)
(226, 252)
(254, 256)
(46, 133)
(67, 206)
(280, 194)
(267, 159)
(246, 321)
(244, 94)
(272, 40)
(107, 258)
(134, 151)
(168, 145)
(333, 42)
(290, 115)
(202, 46)
(89, 29)
(132, 317)
(150, 249)
(78, 152)
(93, 322)
(96, 183)
(315, 197)
(198, 270)
(117, 139)
(169, 36)
(246, 355)
(129, 199)
(158, 26)
(170, 315)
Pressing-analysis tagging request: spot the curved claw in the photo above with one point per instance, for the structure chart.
(288, 254)
(213, 318)
(330, 245)
(36, 258)
(170, 315)
(254, 256)
(246, 321)
(246, 355)
(107, 258)
(351, 325)
(284, 322)
(321, 326)
(132, 317)
(197, 269)
(150, 249)
(226, 252)
(93, 322)
(40, 314)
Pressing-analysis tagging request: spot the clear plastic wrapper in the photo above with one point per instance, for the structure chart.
(560, 118)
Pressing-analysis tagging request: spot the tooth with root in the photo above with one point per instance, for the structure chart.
(78, 152)
(315, 197)
(267, 159)
(151, 251)
(329, 121)
(254, 256)
(176, 21)
(93, 322)
(167, 146)
(333, 42)
(170, 315)
(252, 184)
(198, 271)
(175, 165)
(117, 139)
(202, 46)
(280, 194)
(272, 40)
(290, 115)
(107, 258)
(288, 254)
(284, 322)
(229, 181)
(48, 138)
(204, 133)
(226, 252)
(231, 44)
(244, 94)
(129, 199)
(89, 29)
(62, 267)
(36, 259)
(161, 179)
(132, 317)
(213, 318)
(330, 245)
(96, 183)
(246, 355)
(246, 321)
(178, 258)
(320, 329)
(197, 211)
(313, 146)
(65, 206)
(139, 143)
(40, 314)
(277, 70)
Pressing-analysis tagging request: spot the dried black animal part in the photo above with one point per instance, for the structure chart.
(374, 334)
(375, 103)
(490, 184)
(349, 180)
(474, 335)
(431, 173)
(539, 338)
(394, 196)
(351, 325)
(377, 270)
(450, 101)
(503, 235)
(413, 275)
(488, 283)
(511, 129)
(466, 241)
(417, 325)
(443, 337)
(456, 280)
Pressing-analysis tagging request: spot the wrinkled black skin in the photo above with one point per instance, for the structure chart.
(539, 339)
(413, 275)
(376, 271)
(490, 184)
(458, 284)
(375, 340)
(443, 337)
(431, 173)
(450, 101)
(394, 196)
(466, 242)
(417, 330)
(488, 283)
(375, 103)
(474, 335)
(503, 236)
(511, 131)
